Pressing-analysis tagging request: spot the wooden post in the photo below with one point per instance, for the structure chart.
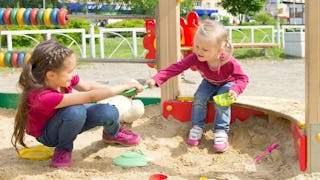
(168, 43)
(313, 85)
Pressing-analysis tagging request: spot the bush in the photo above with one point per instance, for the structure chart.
(74, 24)
(20, 41)
(135, 23)
(225, 21)
(264, 19)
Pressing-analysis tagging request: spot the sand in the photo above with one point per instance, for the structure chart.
(163, 140)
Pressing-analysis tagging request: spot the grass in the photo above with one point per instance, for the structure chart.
(274, 53)
(237, 36)
(124, 51)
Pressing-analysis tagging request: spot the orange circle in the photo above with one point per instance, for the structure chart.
(169, 108)
(27, 57)
(46, 17)
(2, 63)
(20, 16)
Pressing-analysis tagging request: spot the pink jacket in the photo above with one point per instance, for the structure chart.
(229, 72)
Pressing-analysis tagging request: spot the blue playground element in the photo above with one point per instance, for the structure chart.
(80, 7)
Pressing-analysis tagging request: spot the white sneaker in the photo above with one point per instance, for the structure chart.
(195, 136)
(220, 141)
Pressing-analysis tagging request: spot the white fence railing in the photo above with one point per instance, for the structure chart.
(48, 33)
(268, 37)
(268, 33)
(115, 31)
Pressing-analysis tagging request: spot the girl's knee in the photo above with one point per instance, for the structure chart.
(75, 112)
(108, 112)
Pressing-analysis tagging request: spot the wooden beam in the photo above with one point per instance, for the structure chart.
(168, 43)
(312, 84)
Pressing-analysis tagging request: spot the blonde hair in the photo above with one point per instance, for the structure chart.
(215, 31)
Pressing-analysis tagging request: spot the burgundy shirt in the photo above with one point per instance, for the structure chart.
(41, 107)
(228, 72)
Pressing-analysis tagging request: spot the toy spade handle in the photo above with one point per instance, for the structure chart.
(267, 151)
(133, 91)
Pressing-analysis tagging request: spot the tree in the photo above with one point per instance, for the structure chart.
(186, 6)
(149, 6)
(242, 7)
(143, 6)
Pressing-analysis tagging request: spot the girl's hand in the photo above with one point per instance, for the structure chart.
(132, 90)
(151, 82)
(233, 94)
(139, 88)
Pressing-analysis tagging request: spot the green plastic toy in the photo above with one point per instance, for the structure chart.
(133, 91)
(223, 99)
(131, 159)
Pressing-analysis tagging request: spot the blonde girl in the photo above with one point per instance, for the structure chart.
(53, 114)
(212, 55)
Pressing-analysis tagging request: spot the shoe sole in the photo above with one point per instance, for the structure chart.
(222, 150)
(117, 142)
(193, 143)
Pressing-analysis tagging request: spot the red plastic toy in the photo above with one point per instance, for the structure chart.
(149, 40)
(188, 29)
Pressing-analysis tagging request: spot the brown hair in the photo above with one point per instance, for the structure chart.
(47, 56)
(215, 31)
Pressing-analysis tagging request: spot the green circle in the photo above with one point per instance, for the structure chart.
(7, 59)
(40, 16)
(13, 16)
(131, 159)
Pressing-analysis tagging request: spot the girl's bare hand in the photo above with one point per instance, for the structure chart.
(233, 94)
(151, 82)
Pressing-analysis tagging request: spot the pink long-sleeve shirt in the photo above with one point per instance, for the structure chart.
(41, 107)
(228, 72)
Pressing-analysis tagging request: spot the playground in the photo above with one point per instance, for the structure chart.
(163, 140)
(268, 122)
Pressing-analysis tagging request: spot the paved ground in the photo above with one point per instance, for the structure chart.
(283, 79)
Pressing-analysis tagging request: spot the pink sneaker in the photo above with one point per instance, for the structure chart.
(195, 136)
(220, 141)
(61, 159)
(124, 137)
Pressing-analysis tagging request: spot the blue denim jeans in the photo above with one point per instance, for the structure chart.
(205, 93)
(63, 128)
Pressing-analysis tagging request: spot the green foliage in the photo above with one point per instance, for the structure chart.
(74, 24)
(264, 19)
(135, 23)
(144, 6)
(20, 40)
(127, 24)
(243, 7)
(274, 53)
(225, 21)
(186, 6)
(77, 23)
